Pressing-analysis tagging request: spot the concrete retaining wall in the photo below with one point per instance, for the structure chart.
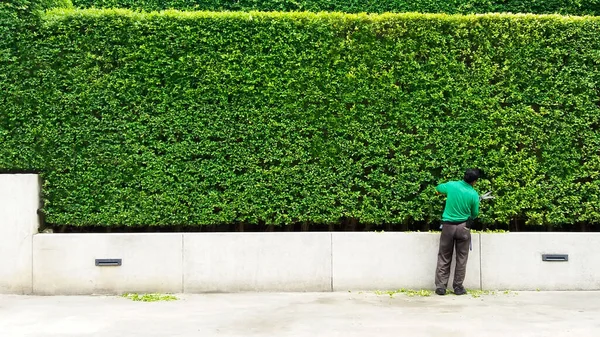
(19, 202)
(232, 262)
(225, 262)
(389, 261)
(514, 261)
(65, 263)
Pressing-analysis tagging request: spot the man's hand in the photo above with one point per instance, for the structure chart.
(487, 195)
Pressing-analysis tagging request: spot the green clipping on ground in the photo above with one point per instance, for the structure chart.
(153, 297)
(407, 292)
(427, 293)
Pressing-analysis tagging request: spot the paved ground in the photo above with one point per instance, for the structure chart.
(556, 314)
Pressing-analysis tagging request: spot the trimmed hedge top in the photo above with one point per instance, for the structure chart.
(573, 7)
(203, 118)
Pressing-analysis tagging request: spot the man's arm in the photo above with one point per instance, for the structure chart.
(442, 188)
(475, 208)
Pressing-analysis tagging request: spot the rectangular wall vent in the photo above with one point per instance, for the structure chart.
(555, 257)
(108, 262)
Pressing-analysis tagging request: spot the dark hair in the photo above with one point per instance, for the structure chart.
(471, 175)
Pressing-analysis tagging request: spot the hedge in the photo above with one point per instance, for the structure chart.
(18, 19)
(18, 22)
(198, 118)
(573, 7)
(48, 4)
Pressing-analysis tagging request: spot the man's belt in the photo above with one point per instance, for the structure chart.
(453, 223)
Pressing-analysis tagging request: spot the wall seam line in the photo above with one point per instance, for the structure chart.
(182, 264)
(480, 264)
(31, 292)
(331, 259)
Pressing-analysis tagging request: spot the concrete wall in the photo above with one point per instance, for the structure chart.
(514, 261)
(233, 262)
(19, 202)
(224, 262)
(390, 261)
(175, 263)
(65, 263)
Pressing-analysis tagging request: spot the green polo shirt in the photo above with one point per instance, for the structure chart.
(462, 201)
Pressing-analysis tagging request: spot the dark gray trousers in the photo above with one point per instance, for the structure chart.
(454, 236)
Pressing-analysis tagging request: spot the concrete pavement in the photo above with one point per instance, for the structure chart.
(556, 314)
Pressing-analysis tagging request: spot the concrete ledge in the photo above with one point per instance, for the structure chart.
(19, 202)
(514, 261)
(65, 263)
(233, 262)
(390, 261)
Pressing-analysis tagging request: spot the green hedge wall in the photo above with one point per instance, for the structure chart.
(574, 7)
(18, 24)
(203, 118)
(47, 4)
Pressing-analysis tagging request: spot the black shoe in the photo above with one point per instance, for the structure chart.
(460, 291)
(440, 291)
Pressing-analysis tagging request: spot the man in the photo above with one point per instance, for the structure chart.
(462, 206)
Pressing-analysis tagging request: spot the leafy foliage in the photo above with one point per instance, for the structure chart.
(574, 7)
(407, 292)
(202, 118)
(153, 297)
(48, 4)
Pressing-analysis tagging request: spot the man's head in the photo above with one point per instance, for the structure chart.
(471, 176)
